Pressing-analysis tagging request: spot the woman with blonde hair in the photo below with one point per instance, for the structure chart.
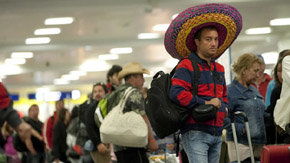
(244, 97)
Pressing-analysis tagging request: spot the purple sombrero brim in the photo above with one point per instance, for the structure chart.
(179, 37)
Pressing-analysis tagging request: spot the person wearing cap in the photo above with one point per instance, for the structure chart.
(133, 76)
(112, 78)
(202, 33)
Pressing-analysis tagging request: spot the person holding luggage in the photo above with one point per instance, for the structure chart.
(101, 151)
(132, 73)
(202, 40)
(244, 97)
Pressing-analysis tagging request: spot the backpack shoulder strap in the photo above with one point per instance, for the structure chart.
(196, 76)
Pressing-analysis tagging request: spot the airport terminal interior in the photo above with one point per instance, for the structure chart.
(96, 34)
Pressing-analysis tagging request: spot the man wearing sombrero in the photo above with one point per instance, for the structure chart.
(202, 33)
(132, 73)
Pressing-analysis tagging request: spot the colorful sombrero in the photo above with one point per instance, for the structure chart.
(179, 37)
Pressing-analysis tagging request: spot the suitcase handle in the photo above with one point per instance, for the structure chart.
(247, 131)
(239, 113)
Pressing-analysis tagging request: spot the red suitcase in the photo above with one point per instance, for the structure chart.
(276, 154)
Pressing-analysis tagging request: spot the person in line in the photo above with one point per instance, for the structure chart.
(11, 153)
(272, 84)
(282, 107)
(264, 79)
(244, 97)
(207, 135)
(47, 129)
(133, 76)
(73, 130)
(272, 135)
(38, 144)
(112, 78)
(193, 37)
(59, 146)
(101, 152)
(7, 113)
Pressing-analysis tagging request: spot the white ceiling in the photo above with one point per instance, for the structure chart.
(100, 25)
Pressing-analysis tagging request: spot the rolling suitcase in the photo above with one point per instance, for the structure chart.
(276, 153)
(239, 113)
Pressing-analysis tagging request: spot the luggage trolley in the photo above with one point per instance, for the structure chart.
(239, 113)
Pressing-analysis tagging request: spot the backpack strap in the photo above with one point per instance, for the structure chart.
(196, 76)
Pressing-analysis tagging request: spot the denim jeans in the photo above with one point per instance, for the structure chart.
(201, 147)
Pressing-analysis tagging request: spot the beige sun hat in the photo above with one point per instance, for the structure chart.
(132, 68)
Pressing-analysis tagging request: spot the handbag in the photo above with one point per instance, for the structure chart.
(203, 113)
(206, 112)
(124, 129)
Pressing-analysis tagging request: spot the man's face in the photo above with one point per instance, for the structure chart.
(138, 81)
(114, 79)
(98, 92)
(33, 112)
(208, 44)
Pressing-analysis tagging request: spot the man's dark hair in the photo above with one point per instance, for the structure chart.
(113, 70)
(198, 33)
(33, 105)
(101, 84)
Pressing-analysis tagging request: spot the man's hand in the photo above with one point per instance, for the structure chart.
(103, 149)
(152, 145)
(24, 131)
(214, 101)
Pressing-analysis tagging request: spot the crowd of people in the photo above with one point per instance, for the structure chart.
(74, 136)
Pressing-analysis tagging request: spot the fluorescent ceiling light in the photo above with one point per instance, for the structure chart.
(281, 21)
(69, 77)
(255, 31)
(148, 35)
(58, 21)
(270, 57)
(21, 55)
(125, 50)
(160, 27)
(108, 57)
(78, 73)
(47, 31)
(8, 69)
(95, 65)
(60, 82)
(15, 61)
(37, 40)
(174, 16)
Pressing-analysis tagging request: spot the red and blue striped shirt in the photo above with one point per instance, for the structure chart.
(182, 88)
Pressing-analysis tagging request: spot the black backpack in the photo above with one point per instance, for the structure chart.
(165, 116)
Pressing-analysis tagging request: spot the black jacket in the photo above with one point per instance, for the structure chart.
(59, 141)
(92, 129)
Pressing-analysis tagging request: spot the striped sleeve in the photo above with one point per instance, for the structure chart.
(181, 89)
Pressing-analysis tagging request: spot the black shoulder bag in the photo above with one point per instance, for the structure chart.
(206, 112)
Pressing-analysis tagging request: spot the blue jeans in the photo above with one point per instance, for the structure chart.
(201, 147)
